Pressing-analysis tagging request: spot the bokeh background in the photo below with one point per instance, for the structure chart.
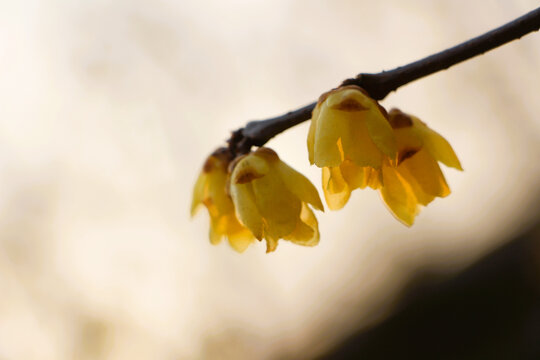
(109, 108)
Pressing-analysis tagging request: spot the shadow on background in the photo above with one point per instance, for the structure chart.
(489, 311)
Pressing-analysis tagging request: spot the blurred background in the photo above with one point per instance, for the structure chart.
(108, 110)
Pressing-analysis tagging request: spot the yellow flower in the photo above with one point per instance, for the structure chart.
(416, 178)
(271, 199)
(349, 138)
(210, 190)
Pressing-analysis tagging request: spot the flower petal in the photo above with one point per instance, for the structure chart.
(271, 244)
(398, 196)
(198, 193)
(216, 231)
(421, 196)
(336, 191)
(437, 146)
(240, 240)
(277, 205)
(381, 132)
(249, 168)
(246, 208)
(299, 185)
(423, 170)
(306, 232)
(330, 127)
(357, 142)
(373, 176)
(311, 134)
(360, 177)
(353, 175)
(216, 198)
(239, 236)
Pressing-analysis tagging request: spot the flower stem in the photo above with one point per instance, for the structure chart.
(257, 133)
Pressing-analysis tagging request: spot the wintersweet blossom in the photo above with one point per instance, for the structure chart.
(349, 138)
(210, 191)
(415, 178)
(271, 199)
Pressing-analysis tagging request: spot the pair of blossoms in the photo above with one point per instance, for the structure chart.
(356, 143)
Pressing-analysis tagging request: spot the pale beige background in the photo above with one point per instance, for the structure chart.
(109, 108)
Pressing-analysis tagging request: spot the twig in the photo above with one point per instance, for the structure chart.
(257, 133)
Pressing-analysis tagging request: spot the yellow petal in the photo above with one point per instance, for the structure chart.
(336, 183)
(198, 193)
(398, 196)
(241, 240)
(357, 142)
(408, 140)
(246, 208)
(360, 177)
(421, 196)
(225, 226)
(301, 234)
(381, 132)
(346, 109)
(216, 198)
(299, 185)
(249, 168)
(437, 146)
(353, 175)
(331, 125)
(336, 191)
(407, 135)
(423, 170)
(311, 134)
(277, 205)
(306, 232)
(271, 244)
(373, 177)
(215, 234)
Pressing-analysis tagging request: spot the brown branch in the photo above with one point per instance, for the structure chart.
(257, 133)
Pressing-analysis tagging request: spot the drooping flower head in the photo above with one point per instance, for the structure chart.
(358, 144)
(349, 138)
(416, 178)
(210, 191)
(271, 199)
